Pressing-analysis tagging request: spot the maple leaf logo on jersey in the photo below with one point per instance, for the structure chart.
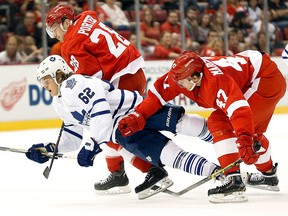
(71, 83)
(83, 118)
(11, 94)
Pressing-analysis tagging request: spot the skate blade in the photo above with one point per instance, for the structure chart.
(244, 176)
(115, 190)
(265, 187)
(162, 185)
(235, 197)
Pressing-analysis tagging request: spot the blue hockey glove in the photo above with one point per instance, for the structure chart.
(87, 154)
(35, 152)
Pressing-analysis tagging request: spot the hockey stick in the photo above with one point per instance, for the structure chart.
(48, 168)
(48, 154)
(208, 178)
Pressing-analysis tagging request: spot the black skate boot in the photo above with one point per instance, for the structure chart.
(116, 183)
(264, 181)
(155, 181)
(230, 191)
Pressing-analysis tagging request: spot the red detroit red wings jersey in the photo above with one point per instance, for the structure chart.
(224, 82)
(92, 48)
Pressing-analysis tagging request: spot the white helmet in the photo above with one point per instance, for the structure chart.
(50, 65)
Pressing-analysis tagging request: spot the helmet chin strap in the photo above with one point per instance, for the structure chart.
(195, 83)
(62, 27)
(59, 92)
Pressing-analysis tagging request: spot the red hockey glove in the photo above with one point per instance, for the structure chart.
(131, 124)
(246, 150)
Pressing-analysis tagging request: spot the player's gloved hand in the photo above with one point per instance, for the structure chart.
(131, 123)
(245, 146)
(35, 152)
(87, 154)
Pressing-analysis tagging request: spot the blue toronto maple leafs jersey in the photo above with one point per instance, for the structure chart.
(92, 104)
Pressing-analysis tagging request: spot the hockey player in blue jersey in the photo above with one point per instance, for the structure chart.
(89, 103)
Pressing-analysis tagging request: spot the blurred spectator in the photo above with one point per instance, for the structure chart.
(241, 21)
(35, 6)
(149, 31)
(76, 7)
(116, 15)
(259, 26)
(191, 22)
(26, 5)
(213, 48)
(30, 53)
(254, 11)
(218, 23)
(133, 40)
(165, 50)
(56, 49)
(245, 40)
(102, 16)
(173, 25)
(152, 4)
(204, 27)
(279, 12)
(233, 43)
(232, 7)
(11, 54)
(260, 45)
(29, 27)
(176, 40)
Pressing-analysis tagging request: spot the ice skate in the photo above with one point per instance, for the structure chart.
(116, 183)
(263, 181)
(156, 181)
(231, 191)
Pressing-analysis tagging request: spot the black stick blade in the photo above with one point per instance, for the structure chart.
(46, 172)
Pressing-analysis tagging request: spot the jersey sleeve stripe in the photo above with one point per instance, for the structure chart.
(120, 103)
(104, 112)
(133, 102)
(73, 133)
(252, 89)
(155, 92)
(95, 102)
(236, 105)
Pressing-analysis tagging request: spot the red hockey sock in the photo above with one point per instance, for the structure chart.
(141, 164)
(114, 163)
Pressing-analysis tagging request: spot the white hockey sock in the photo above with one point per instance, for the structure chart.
(194, 125)
(175, 157)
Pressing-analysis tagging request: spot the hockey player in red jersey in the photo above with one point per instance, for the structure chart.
(91, 48)
(243, 90)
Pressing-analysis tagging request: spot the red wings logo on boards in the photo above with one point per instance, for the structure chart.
(11, 94)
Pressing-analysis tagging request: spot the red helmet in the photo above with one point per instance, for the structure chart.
(58, 13)
(185, 65)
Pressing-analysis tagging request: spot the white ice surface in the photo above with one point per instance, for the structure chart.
(69, 190)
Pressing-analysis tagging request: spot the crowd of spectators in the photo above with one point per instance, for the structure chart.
(160, 27)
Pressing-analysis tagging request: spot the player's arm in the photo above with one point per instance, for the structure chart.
(231, 100)
(158, 95)
(70, 140)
